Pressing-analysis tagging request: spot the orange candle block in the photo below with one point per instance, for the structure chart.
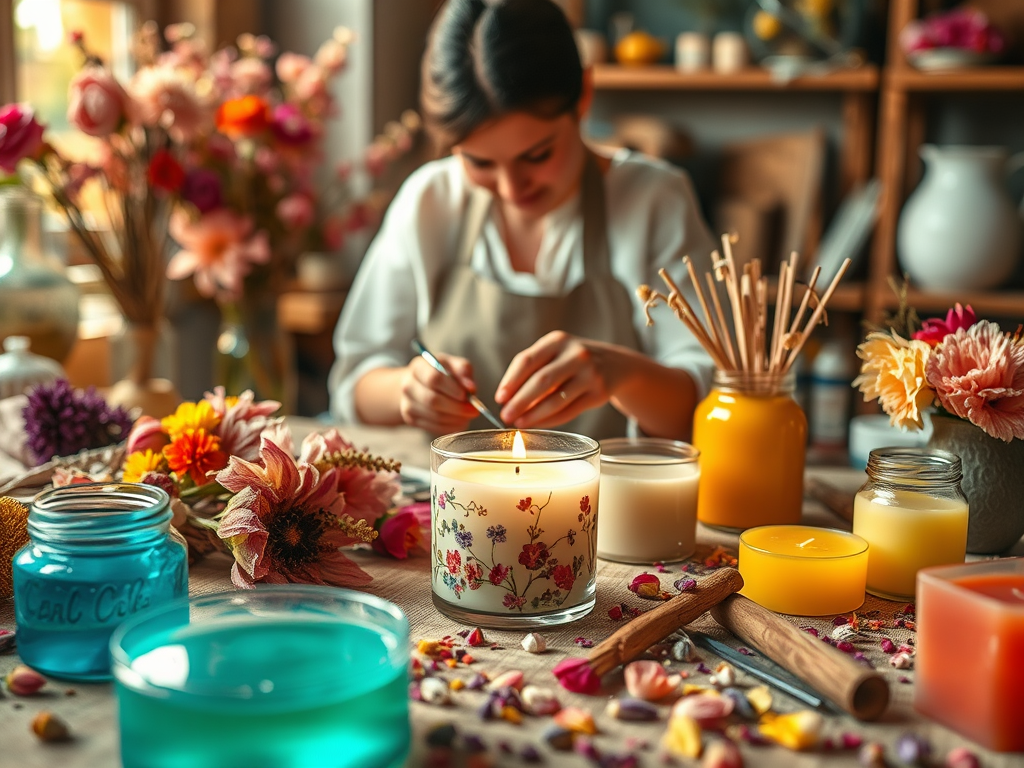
(970, 650)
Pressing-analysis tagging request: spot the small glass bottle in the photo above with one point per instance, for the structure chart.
(36, 298)
(913, 515)
(97, 553)
(752, 437)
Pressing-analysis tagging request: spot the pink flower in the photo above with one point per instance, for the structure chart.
(295, 212)
(934, 329)
(167, 96)
(250, 76)
(513, 602)
(978, 374)
(474, 574)
(243, 422)
(331, 56)
(291, 65)
(400, 534)
(147, 433)
(202, 188)
(77, 175)
(290, 126)
(454, 561)
(97, 104)
(21, 135)
(219, 249)
(497, 574)
(281, 525)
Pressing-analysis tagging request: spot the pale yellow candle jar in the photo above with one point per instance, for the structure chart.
(913, 514)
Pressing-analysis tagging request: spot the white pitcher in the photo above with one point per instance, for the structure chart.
(959, 230)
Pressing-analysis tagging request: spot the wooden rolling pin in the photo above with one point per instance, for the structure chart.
(857, 689)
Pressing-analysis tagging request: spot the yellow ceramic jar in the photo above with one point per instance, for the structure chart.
(752, 436)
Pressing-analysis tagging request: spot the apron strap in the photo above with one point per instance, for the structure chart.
(473, 223)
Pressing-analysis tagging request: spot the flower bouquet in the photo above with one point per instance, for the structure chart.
(970, 374)
(229, 465)
(955, 38)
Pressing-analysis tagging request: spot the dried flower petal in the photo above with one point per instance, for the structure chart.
(534, 643)
(760, 699)
(796, 731)
(49, 727)
(707, 710)
(913, 749)
(683, 737)
(647, 585)
(648, 680)
(576, 720)
(24, 681)
(722, 754)
(631, 709)
(961, 757)
(576, 676)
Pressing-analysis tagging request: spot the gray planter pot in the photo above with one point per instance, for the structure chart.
(993, 483)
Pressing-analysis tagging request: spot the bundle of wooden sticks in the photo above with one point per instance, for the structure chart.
(754, 349)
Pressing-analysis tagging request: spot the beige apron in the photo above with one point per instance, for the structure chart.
(476, 318)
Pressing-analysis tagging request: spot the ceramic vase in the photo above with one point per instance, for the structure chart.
(993, 482)
(959, 230)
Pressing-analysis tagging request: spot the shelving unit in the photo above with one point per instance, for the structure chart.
(901, 130)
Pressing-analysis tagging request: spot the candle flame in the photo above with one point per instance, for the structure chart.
(805, 543)
(518, 446)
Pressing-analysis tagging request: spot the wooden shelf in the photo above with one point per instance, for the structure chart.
(976, 79)
(984, 303)
(662, 77)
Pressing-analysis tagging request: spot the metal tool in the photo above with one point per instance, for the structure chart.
(761, 670)
(475, 401)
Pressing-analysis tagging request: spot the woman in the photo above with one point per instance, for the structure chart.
(516, 258)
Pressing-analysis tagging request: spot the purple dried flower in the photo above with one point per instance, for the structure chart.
(61, 421)
(912, 749)
(685, 584)
(888, 645)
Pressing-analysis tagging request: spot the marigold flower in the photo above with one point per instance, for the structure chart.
(893, 371)
(978, 375)
(195, 452)
(199, 415)
(140, 463)
(244, 116)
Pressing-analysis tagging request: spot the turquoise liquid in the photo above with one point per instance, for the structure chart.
(265, 692)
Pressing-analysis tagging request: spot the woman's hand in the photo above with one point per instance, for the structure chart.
(435, 402)
(556, 379)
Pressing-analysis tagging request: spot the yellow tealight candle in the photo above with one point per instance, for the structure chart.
(802, 570)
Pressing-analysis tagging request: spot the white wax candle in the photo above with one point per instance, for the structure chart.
(648, 509)
(508, 541)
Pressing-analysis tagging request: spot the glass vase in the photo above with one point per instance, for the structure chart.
(36, 299)
(253, 352)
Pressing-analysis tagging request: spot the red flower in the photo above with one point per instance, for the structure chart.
(400, 534)
(563, 576)
(454, 562)
(524, 504)
(934, 329)
(585, 505)
(512, 602)
(165, 172)
(498, 574)
(534, 556)
(244, 116)
(474, 574)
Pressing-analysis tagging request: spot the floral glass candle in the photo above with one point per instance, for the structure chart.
(285, 676)
(648, 500)
(514, 526)
(970, 643)
(802, 570)
(913, 514)
(752, 435)
(97, 554)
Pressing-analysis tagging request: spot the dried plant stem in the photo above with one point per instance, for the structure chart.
(723, 328)
(816, 315)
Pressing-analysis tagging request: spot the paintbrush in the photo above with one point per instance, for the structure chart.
(475, 401)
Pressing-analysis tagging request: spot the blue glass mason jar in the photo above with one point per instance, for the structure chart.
(97, 553)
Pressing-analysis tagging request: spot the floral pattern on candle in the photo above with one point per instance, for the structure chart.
(534, 572)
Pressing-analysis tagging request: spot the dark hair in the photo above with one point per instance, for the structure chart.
(486, 58)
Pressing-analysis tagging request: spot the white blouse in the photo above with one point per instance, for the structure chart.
(653, 221)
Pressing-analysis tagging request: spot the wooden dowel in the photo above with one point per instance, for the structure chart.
(703, 305)
(798, 318)
(858, 690)
(834, 499)
(777, 325)
(762, 320)
(678, 302)
(723, 327)
(816, 315)
(645, 630)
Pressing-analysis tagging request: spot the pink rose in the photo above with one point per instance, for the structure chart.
(291, 65)
(295, 212)
(400, 534)
(21, 135)
(97, 102)
(147, 433)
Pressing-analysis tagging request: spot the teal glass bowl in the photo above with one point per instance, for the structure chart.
(284, 676)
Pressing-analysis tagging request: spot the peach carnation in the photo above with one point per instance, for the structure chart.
(893, 371)
(978, 375)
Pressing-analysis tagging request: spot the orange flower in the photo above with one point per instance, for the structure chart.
(195, 452)
(201, 416)
(893, 371)
(244, 116)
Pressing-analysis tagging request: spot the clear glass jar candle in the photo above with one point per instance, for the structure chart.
(752, 437)
(648, 500)
(289, 676)
(913, 514)
(97, 553)
(514, 526)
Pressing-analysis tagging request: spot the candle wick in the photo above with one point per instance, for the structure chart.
(805, 543)
(517, 469)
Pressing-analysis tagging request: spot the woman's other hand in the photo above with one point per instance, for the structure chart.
(435, 402)
(555, 380)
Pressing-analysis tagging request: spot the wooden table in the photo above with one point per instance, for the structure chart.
(91, 713)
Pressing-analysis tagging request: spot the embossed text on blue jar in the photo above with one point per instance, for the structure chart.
(97, 553)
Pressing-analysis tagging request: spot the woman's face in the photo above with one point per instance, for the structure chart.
(529, 162)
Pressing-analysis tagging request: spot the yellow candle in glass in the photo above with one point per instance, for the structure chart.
(802, 570)
(908, 531)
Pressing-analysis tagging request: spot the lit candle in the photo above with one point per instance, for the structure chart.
(908, 531)
(648, 500)
(802, 570)
(514, 528)
(970, 642)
